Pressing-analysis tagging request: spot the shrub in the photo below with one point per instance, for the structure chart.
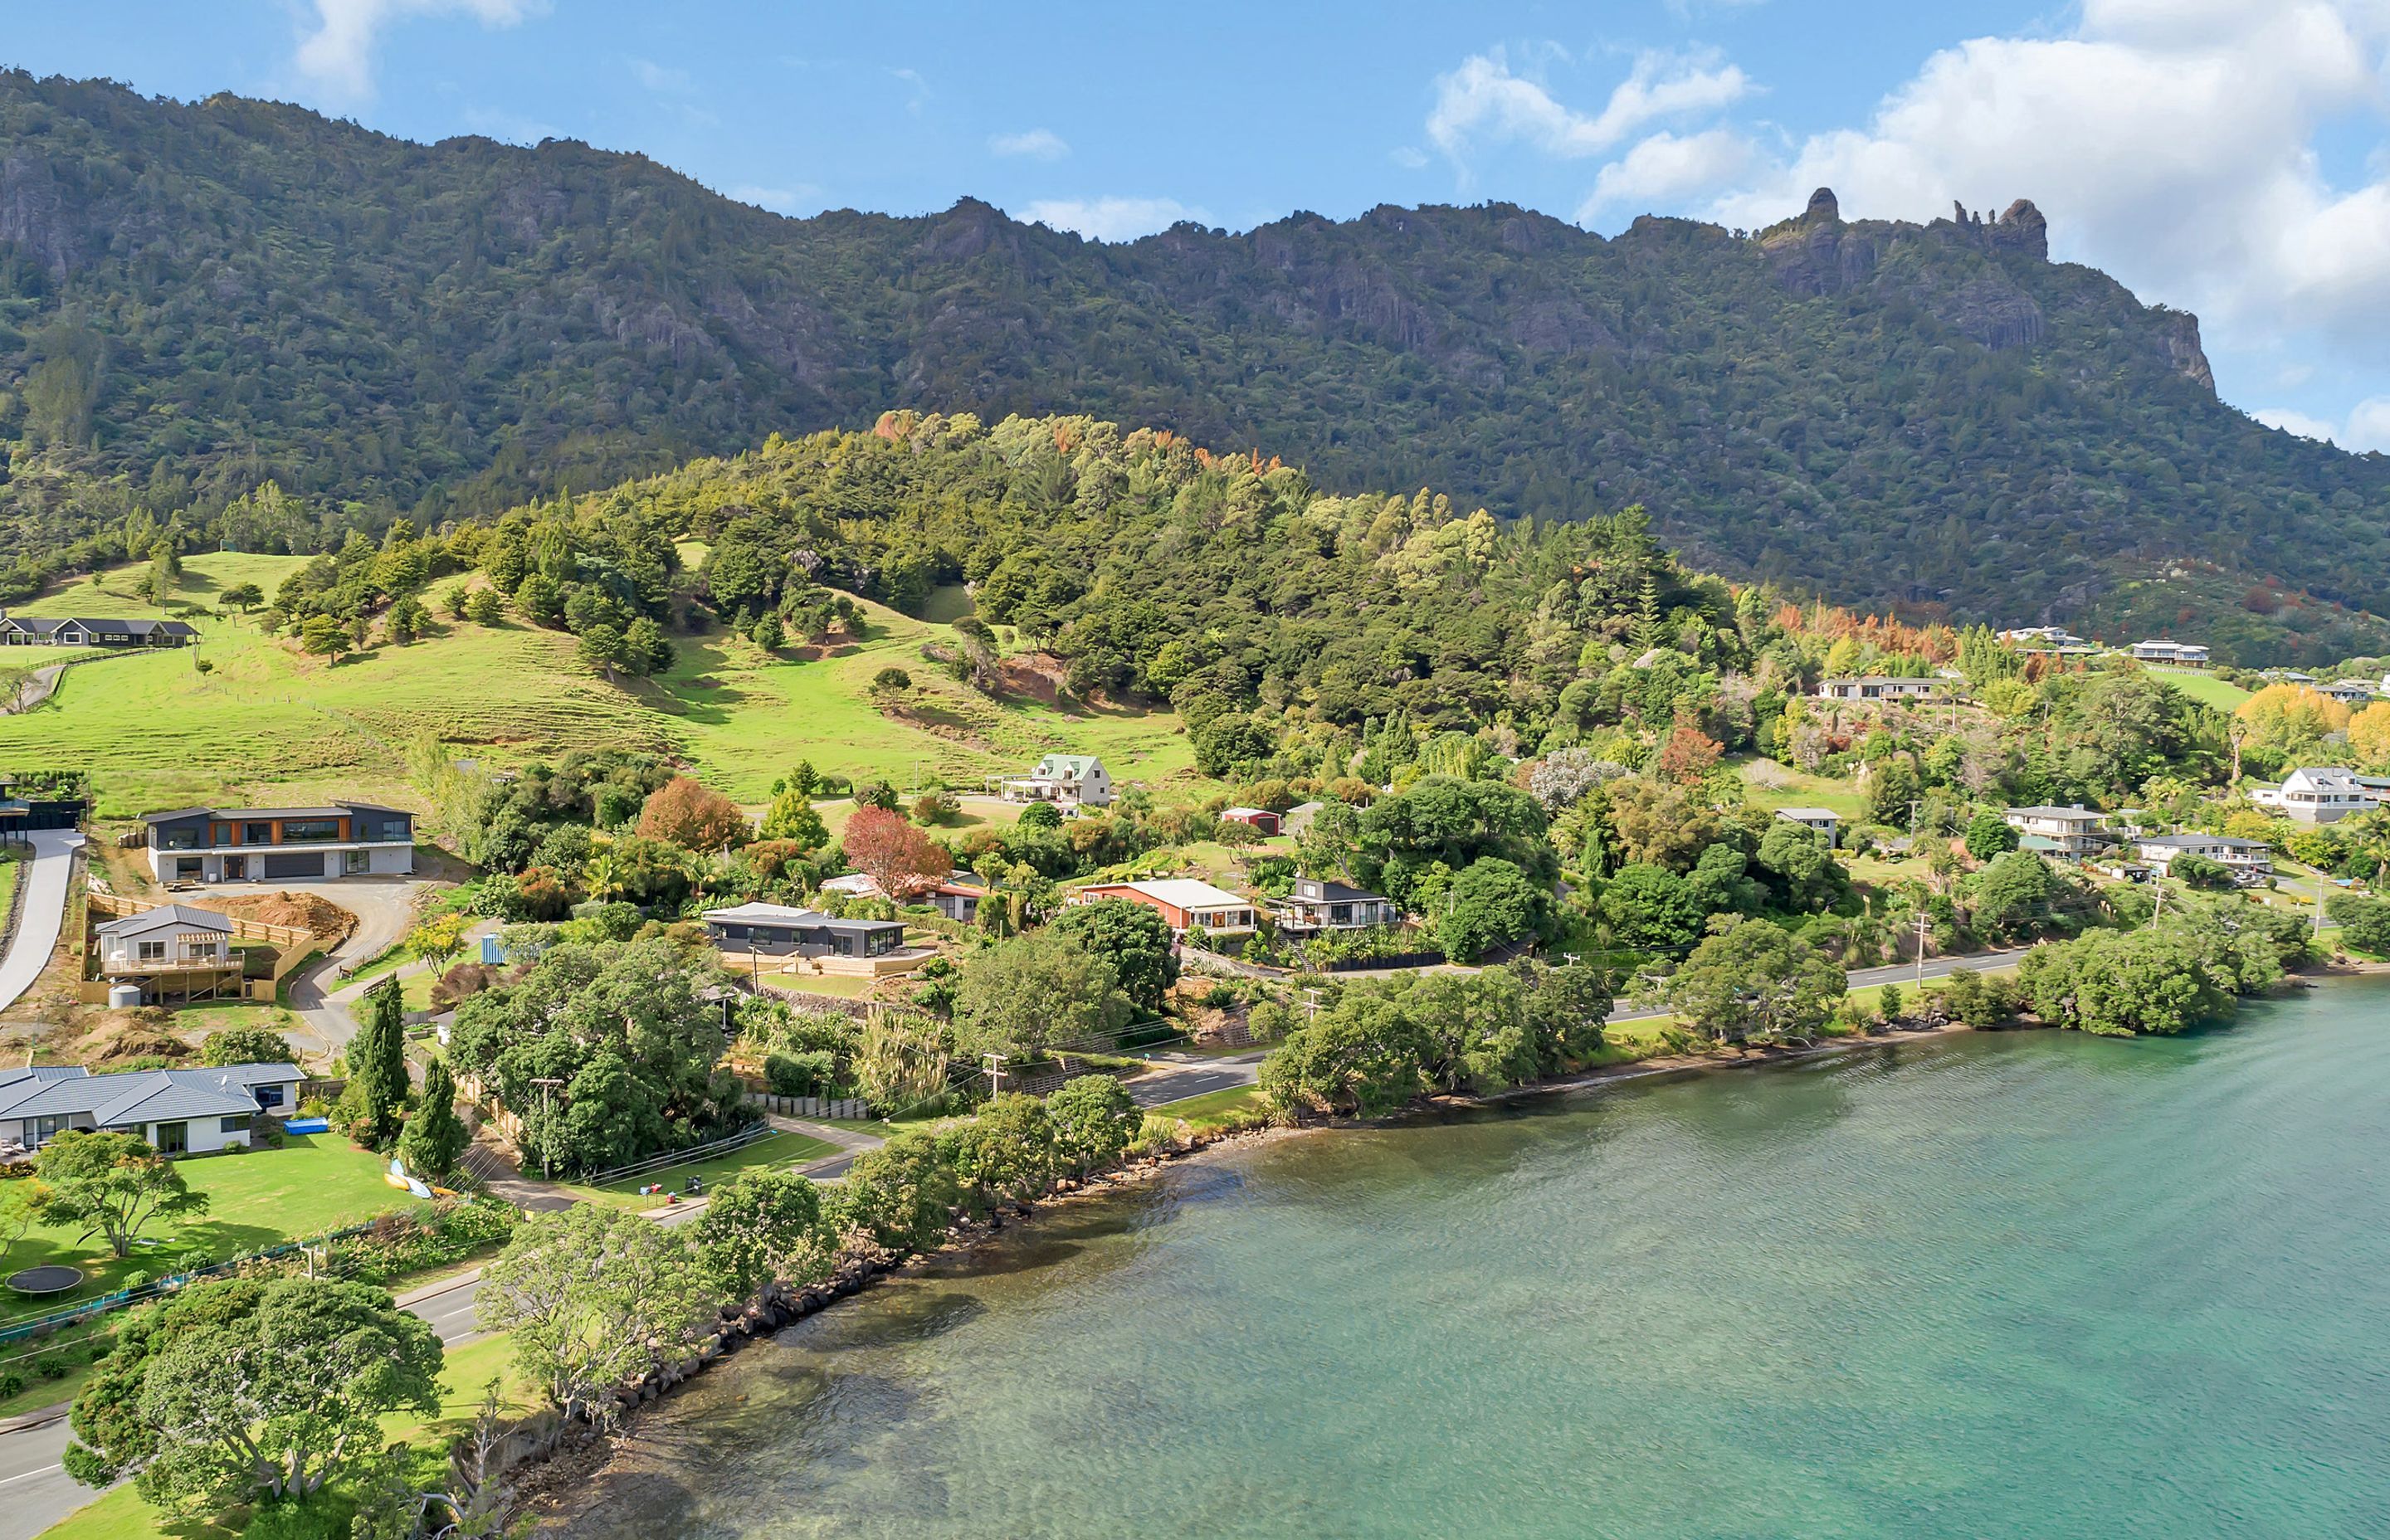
(800, 1074)
(11, 1383)
(49, 1365)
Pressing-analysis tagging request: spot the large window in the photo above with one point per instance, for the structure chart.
(181, 839)
(309, 831)
(257, 834)
(200, 951)
(149, 951)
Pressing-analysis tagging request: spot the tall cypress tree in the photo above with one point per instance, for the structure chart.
(377, 1062)
(435, 1137)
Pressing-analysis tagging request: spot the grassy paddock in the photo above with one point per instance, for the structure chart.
(267, 722)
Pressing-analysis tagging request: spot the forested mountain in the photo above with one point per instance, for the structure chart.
(195, 299)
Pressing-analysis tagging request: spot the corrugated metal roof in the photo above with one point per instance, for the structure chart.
(165, 917)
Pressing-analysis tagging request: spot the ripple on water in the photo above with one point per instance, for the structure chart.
(2013, 1285)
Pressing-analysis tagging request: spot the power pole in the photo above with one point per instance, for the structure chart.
(547, 1085)
(1921, 949)
(994, 1074)
(1311, 1005)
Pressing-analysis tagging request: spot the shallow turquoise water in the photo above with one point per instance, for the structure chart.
(2020, 1285)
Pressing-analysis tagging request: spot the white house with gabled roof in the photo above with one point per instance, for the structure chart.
(2318, 795)
(178, 1112)
(1066, 780)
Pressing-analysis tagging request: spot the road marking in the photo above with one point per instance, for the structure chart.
(43, 1472)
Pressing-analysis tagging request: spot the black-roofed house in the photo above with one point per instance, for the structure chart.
(756, 932)
(179, 1111)
(1322, 904)
(280, 844)
(94, 631)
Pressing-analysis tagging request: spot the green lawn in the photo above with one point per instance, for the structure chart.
(315, 1182)
(2204, 687)
(1769, 785)
(7, 880)
(779, 1149)
(1214, 1108)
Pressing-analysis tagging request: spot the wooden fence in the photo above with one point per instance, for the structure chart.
(117, 905)
(844, 1109)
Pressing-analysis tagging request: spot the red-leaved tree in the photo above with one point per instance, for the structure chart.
(902, 859)
(1690, 754)
(685, 814)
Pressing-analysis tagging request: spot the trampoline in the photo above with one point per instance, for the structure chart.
(45, 1280)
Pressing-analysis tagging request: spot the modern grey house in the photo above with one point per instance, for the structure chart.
(280, 844)
(81, 631)
(777, 931)
(1320, 903)
(179, 1111)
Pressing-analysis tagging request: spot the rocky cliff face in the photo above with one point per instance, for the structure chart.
(1930, 413)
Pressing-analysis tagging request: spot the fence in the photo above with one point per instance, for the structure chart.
(124, 1299)
(669, 1157)
(844, 1109)
(246, 930)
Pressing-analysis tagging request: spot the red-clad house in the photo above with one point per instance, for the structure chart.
(1182, 901)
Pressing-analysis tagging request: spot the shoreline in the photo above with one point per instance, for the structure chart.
(560, 1488)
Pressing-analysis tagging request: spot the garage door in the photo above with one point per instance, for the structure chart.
(309, 864)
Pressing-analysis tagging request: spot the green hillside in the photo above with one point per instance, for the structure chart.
(266, 721)
(1935, 417)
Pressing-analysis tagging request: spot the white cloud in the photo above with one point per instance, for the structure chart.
(2368, 427)
(780, 200)
(2290, 421)
(2174, 143)
(1038, 144)
(1111, 218)
(338, 53)
(1667, 167)
(1409, 157)
(917, 89)
(660, 77)
(1484, 101)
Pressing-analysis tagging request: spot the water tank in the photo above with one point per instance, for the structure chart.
(123, 996)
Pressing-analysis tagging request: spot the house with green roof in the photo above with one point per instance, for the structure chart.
(1066, 780)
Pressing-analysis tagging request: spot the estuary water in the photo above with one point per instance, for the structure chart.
(1997, 1285)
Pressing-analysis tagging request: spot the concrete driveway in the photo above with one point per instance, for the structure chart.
(45, 905)
(385, 907)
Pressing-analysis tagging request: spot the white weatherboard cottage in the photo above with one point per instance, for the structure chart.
(1066, 780)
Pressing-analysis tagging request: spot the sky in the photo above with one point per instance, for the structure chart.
(2226, 157)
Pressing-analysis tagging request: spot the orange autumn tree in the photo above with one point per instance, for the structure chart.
(683, 813)
(1690, 754)
(901, 859)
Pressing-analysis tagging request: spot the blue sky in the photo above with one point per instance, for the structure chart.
(2229, 157)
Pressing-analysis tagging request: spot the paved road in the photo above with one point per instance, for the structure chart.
(1895, 973)
(1179, 1076)
(45, 907)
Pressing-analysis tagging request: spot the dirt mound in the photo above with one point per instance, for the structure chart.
(1039, 675)
(115, 1037)
(303, 911)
